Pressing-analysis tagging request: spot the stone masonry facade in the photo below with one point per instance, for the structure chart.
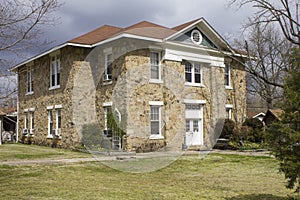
(131, 91)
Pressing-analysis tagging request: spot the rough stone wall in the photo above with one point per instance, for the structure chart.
(43, 97)
(237, 95)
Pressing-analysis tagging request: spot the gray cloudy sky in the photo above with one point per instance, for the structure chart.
(77, 17)
(80, 16)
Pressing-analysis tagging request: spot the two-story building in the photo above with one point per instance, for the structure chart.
(165, 88)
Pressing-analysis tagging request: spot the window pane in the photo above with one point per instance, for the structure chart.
(197, 78)
(195, 126)
(154, 72)
(154, 128)
(52, 80)
(32, 120)
(187, 125)
(155, 123)
(108, 66)
(154, 58)
(227, 75)
(188, 72)
(58, 118)
(58, 79)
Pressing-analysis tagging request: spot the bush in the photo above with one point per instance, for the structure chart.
(255, 132)
(228, 129)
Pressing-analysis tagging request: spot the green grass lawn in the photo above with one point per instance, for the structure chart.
(216, 176)
(14, 152)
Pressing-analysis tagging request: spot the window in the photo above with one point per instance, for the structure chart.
(155, 120)
(58, 121)
(55, 72)
(227, 75)
(26, 121)
(31, 122)
(196, 37)
(30, 80)
(155, 66)
(228, 111)
(108, 67)
(107, 110)
(193, 73)
(50, 124)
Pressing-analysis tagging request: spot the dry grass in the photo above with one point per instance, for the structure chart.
(217, 176)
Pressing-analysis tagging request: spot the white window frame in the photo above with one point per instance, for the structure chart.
(227, 76)
(156, 104)
(26, 120)
(55, 63)
(195, 31)
(155, 80)
(31, 114)
(29, 80)
(107, 77)
(57, 117)
(193, 73)
(50, 119)
(228, 108)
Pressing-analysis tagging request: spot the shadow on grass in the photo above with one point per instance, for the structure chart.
(261, 197)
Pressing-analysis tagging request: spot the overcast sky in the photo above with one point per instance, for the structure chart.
(80, 16)
(77, 17)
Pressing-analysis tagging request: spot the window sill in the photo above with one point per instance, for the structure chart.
(107, 82)
(54, 87)
(194, 84)
(228, 87)
(156, 137)
(29, 93)
(158, 81)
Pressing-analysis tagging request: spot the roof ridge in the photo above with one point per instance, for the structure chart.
(184, 25)
(143, 24)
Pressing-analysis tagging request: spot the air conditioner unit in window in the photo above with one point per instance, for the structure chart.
(58, 131)
(25, 131)
(31, 131)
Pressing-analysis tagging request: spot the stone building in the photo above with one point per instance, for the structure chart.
(163, 87)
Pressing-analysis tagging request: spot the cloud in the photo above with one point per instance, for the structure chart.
(78, 17)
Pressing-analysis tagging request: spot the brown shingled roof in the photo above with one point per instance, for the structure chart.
(276, 112)
(97, 35)
(143, 28)
(182, 26)
(144, 24)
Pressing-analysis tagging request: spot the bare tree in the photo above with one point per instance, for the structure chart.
(285, 14)
(21, 24)
(267, 71)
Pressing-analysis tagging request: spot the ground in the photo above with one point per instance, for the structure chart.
(64, 174)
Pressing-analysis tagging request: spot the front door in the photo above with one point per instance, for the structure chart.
(193, 134)
(194, 125)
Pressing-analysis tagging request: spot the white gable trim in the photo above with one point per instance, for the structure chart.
(202, 20)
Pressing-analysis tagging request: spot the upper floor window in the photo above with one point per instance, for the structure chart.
(30, 80)
(227, 75)
(108, 67)
(55, 72)
(155, 73)
(193, 73)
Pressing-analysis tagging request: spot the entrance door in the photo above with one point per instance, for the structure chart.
(194, 125)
